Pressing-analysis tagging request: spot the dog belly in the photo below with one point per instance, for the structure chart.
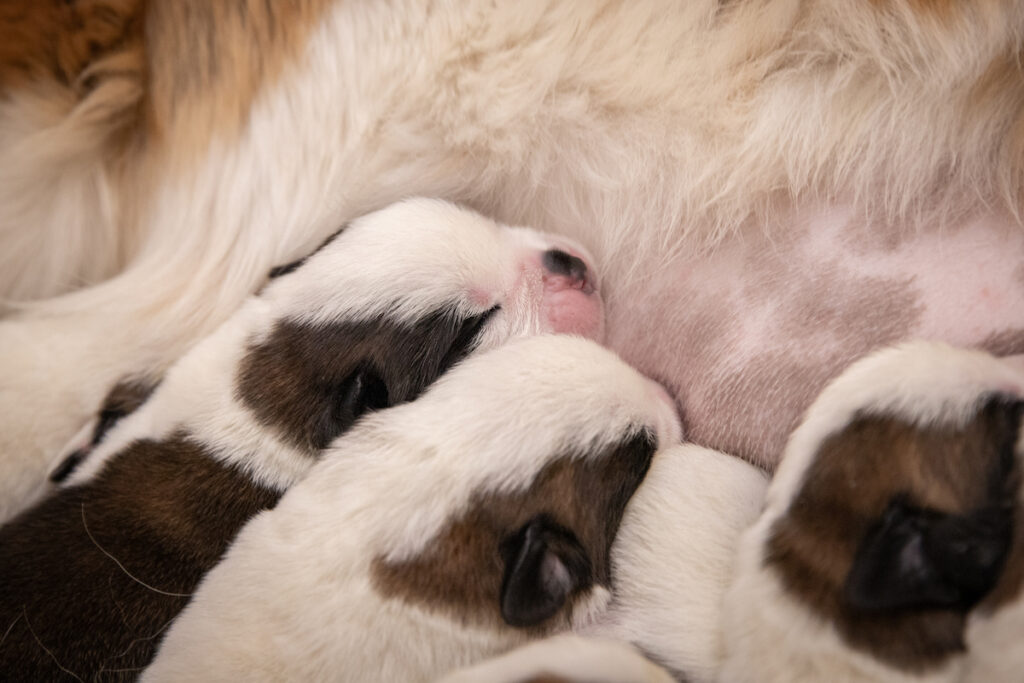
(745, 337)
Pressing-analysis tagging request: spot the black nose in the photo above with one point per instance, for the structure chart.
(562, 263)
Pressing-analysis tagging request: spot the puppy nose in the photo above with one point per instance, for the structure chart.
(559, 262)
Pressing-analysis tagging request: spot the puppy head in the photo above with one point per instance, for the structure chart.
(893, 512)
(507, 480)
(389, 303)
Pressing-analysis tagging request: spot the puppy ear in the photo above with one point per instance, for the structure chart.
(918, 558)
(545, 564)
(362, 391)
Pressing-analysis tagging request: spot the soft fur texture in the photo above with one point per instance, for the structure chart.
(368, 321)
(566, 658)
(772, 636)
(400, 264)
(386, 492)
(203, 144)
(674, 557)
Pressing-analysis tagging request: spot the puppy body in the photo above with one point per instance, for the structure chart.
(363, 323)
(354, 575)
(884, 525)
(673, 558)
(404, 264)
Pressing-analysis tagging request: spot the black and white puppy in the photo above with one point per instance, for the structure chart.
(893, 522)
(92, 576)
(436, 533)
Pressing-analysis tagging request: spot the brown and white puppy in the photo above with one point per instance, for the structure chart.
(895, 512)
(436, 533)
(93, 575)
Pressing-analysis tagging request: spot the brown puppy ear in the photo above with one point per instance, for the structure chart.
(544, 565)
(916, 558)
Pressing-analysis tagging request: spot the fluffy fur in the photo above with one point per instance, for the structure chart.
(651, 128)
(771, 636)
(674, 557)
(385, 493)
(566, 658)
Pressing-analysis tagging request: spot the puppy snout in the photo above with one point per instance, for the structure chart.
(563, 264)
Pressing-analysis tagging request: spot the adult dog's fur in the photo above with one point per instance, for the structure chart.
(183, 148)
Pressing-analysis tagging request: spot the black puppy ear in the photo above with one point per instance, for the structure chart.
(918, 558)
(545, 564)
(362, 391)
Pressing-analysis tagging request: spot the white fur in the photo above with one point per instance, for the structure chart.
(293, 599)
(770, 637)
(403, 262)
(673, 557)
(568, 656)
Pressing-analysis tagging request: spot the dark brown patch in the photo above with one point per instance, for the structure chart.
(462, 572)
(1004, 342)
(299, 379)
(56, 40)
(166, 511)
(855, 477)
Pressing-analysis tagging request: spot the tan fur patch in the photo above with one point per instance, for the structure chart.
(54, 40)
(856, 473)
(209, 60)
(462, 572)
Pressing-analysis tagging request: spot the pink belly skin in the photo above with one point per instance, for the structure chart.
(746, 337)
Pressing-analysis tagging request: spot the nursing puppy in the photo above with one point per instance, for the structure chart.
(436, 533)
(672, 562)
(93, 575)
(673, 558)
(895, 512)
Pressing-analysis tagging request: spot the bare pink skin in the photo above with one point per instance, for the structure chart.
(746, 337)
(568, 305)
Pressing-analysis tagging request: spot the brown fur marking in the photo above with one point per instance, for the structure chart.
(855, 475)
(461, 574)
(292, 380)
(98, 571)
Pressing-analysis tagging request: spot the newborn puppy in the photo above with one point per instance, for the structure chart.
(92, 576)
(891, 517)
(673, 558)
(437, 533)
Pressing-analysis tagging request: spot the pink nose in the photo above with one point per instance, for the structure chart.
(569, 269)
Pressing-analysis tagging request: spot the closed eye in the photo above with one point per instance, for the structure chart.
(466, 338)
